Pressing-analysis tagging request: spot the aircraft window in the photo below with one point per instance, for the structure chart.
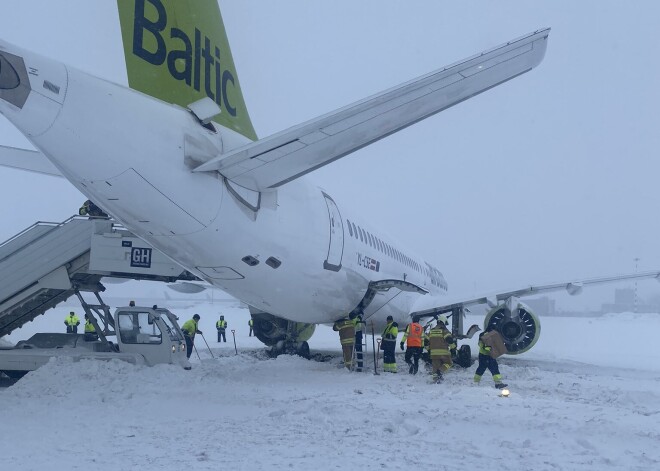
(355, 230)
(371, 240)
(361, 238)
(350, 229)
(380, 247)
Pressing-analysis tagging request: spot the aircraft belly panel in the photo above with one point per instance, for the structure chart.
(134, 199)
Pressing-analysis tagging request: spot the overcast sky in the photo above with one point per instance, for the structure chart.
(549, 177)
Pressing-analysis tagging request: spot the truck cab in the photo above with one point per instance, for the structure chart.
(152, 333)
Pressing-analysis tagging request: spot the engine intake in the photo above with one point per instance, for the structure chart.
(519, 326)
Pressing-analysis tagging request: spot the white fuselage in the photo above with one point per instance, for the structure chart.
(129, 153)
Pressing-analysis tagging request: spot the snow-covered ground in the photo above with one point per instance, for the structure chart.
(587, 397)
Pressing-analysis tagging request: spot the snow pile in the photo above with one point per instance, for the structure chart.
(247, 411)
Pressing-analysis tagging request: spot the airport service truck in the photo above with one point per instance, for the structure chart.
(144, 336)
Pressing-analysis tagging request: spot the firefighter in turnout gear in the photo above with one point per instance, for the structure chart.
(440, 343)
(388, 345)
(414, 335)
(346, 329)
(189, 329)
(221, 325)
(358, 322)
(71, 322)
(487, 362)
(90, 331)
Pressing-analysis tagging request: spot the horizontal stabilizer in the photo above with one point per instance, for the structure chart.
(285, 156)
(24, 159)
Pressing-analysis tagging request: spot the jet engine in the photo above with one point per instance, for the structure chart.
(282, 335)
(519, 326)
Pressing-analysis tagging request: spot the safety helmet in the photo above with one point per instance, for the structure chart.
(443, 319)
(196, 317)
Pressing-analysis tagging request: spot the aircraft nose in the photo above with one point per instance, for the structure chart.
(14, 82)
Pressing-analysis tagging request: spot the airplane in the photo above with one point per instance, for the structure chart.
(174, 157)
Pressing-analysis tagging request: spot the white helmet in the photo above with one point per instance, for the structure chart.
(443, 319)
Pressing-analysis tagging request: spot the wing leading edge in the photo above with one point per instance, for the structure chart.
(572, 287)
(285, 156)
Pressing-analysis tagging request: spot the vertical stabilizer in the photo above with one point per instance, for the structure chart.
(177, 51)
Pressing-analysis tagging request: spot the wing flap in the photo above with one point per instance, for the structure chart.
(25, 159)
(287, 155)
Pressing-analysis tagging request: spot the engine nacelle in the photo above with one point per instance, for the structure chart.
(271, 330)
(519, 326)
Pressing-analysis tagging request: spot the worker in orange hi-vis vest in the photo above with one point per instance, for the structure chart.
(414, 335)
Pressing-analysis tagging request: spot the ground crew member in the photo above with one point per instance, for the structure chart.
(414, 335)
(189, 330)
(251, 324)
(486, 361)
(131, 303)
(221, 325)
(90, 331)
(346, 329)
(388, 345)
(72, 322)
(357, 321)
(440, 342)
(90, 209)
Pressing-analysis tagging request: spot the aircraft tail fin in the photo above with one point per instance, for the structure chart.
(177, 51)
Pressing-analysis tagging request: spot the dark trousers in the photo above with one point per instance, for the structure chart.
(250, 332)
(189, 345)
(358, 348)
(412, 357)
(71, 329)
(221, 334)
(388, 352)
(486, 361)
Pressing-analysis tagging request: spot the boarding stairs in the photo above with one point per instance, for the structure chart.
(47, 263)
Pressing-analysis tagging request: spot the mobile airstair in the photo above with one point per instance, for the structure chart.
(47, 263)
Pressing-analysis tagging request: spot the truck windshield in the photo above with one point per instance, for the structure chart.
(138, 327)
(170, 322)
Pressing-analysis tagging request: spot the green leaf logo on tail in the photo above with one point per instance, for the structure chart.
(177, 51)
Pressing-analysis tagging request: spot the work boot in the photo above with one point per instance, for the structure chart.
(411, 369)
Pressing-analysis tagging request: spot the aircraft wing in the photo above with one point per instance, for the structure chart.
(24, 159)
(572, 287)
(285, 156)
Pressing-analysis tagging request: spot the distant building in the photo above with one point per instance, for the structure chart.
(624, 301)
(543, 306)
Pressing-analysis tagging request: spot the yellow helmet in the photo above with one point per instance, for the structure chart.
(443, 319)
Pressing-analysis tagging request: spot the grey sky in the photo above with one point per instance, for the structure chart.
(549, 177)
